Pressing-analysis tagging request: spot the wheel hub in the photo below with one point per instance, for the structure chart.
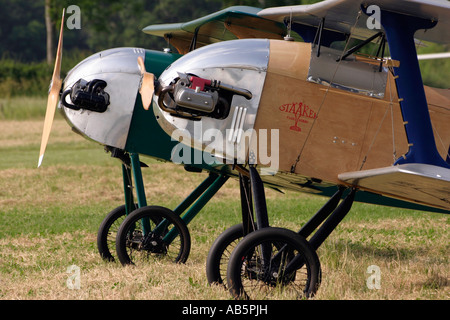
(154, 244)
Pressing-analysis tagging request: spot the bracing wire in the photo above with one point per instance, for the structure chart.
(297, 160)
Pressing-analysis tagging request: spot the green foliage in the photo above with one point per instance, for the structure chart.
(435, 73)
(32, 78)
(22, 30)
(18, 77)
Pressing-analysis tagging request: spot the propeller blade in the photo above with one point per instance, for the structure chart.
(147, 86)
(53, 95)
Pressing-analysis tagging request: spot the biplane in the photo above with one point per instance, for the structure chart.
(342, 124)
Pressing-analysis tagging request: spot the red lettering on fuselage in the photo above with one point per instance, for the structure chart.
(297, 111)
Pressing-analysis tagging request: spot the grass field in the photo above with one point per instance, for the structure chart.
(49, 219)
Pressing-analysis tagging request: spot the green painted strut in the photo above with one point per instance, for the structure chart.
(203, 198)
(128, 189)
(186, 203)
(140, 190)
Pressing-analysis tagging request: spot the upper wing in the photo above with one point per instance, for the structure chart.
(231, 23)
(340, 16)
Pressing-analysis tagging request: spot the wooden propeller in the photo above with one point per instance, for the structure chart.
(53, 95)
(147, 86)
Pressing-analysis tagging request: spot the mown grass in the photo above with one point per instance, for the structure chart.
(49, 219)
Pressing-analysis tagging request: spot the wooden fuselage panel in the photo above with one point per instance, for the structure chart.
(327, 131)
(439, 108)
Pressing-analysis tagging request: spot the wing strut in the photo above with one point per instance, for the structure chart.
(400, 30)
(318, 36)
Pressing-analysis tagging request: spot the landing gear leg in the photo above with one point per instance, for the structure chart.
(279, 263)
(254, 274)
(131, 170)
(106, 235)
(219, 253)
(167, 237)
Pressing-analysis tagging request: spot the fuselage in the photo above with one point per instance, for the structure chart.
(301, 118)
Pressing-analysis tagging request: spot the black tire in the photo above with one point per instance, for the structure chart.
(133, 247)
(249, 278)
(219, 254)
(106, 236)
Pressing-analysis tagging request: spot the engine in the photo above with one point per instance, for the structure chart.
(192, 97)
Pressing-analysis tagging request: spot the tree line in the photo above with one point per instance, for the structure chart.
(28, 29)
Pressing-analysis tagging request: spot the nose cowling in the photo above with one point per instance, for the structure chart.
(99, 95)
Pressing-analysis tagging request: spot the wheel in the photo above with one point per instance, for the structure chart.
(107, 232)
(219, 254)
(273, 263)
(134, 246)
(106, 236)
